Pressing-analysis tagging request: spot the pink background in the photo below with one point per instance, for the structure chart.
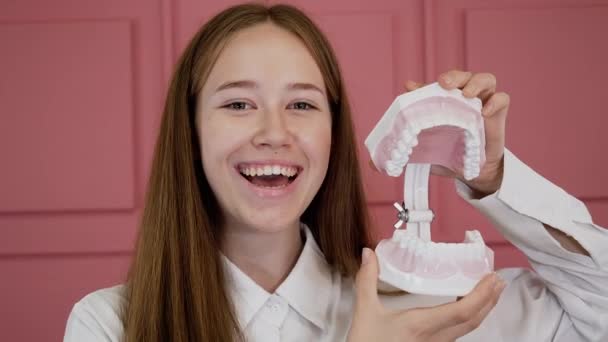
(82, 85)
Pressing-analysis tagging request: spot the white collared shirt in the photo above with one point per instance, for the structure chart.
(565, 299)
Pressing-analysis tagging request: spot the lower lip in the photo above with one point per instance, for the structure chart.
(268, 192)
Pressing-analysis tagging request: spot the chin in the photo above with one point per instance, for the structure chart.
(272, 223)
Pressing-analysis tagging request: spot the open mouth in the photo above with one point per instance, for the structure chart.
(269, 176)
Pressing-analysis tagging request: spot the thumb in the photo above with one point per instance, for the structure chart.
(366, 281)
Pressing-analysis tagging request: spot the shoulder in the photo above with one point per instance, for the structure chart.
(97, 316)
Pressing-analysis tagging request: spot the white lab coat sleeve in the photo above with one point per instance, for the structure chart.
(565, 299)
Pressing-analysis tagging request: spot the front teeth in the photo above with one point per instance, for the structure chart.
(268, 170)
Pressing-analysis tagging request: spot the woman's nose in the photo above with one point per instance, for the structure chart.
(273, 130)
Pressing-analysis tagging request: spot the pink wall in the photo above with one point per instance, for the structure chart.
(82, 87)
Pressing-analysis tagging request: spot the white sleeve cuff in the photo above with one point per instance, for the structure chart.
(525, 197)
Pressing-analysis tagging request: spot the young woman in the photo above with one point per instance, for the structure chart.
(255, 220)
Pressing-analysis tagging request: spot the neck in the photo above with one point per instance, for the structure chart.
(266, 257)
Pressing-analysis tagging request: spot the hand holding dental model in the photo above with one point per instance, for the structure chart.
(447, 322)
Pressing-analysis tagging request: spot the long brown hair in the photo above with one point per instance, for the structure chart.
(176, 287)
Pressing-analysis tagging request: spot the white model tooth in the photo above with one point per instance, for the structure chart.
(406, 136)
(469, 173)
(414, 128)
(395, 155)
(414, 142)
(476, 235)
(473, 143)
(471, 150)
(473, 161)
(393, 170)
(469, 236)
(401, 146)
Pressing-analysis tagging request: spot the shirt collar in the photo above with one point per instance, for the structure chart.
(307, 288)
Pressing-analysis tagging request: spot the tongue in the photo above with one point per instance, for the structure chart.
(270, 181)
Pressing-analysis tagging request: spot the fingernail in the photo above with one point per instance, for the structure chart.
(446, 79)
(365, 256)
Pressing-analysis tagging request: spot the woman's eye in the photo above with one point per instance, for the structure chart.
(302, 106)
(238, 105)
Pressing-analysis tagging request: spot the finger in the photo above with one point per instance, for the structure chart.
(454, 79)
(472, 324)
(366, 282)
(495, 103)
(412, 85)
(450, 315)
(495, 123)
(481, 85)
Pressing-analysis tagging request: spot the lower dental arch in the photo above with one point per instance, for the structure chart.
(429, 126)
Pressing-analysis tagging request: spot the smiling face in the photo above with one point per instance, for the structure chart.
(265, 129)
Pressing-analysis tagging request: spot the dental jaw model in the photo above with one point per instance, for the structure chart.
(429, 126)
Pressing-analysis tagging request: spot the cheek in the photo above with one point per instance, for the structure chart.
(316, 141)
(218, 139)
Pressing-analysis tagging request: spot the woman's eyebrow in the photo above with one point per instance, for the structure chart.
(237, 84)
(249, 84)
(304, 86)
